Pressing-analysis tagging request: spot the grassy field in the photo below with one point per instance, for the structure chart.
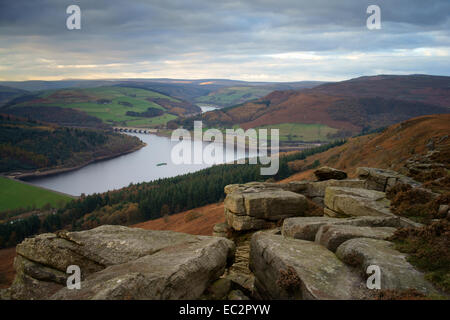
(302, 131)
(151, 122)
(15, 194)
(110, 104)
(234, 95)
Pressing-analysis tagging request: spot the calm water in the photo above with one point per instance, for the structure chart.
(119, 172)
(207, 107)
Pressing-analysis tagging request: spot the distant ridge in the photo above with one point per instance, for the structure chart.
(351, 106)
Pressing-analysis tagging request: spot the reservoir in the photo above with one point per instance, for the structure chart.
(151, 162)
(207, 107)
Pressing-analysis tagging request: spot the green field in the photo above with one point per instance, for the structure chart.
(118, 100)
(302, 131)
(151, 122)
(234, 95)
(15, 194)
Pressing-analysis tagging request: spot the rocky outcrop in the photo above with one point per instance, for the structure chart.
(288, 268)
(306, 228)
(221, 230)
(120, 263)
(396, 272)
(344, 202)
(327, 173)
(253, 205)
(317, 189)
(332, 236)
(381, 180)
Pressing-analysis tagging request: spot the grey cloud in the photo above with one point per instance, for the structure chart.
(222, 32)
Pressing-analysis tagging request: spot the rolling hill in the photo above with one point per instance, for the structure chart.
(8, 93)
(420, 88)
(234, 95)
(349, 107)
(40, 148)
(218, 92)
(113, 105)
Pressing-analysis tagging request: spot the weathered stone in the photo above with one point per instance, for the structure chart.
(58, 253)
(327, 173)
(319, 201)
(332, 214)
(221, 227)
(306, 228)
(396, 272)
(317, 189)
(25, 287)
(297, 186)
(38, 271)
(234, 202)
(250, 206)
(318, 274)
(356, 202)
(332, 236)
(222, 230)
(274, 204)
(380, 179)
(135, 263)
(94, 249)
(242, 223)
(220, 234)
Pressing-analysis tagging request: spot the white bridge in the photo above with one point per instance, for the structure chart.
(135, 130)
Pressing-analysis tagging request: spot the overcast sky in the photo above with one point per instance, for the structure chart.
(257, 40)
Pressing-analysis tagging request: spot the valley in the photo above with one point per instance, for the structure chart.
(331, 125)
(392, 148)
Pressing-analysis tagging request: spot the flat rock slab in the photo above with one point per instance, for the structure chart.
(95, 249)
(318, 272)
(396, 272)
(274, 204)
(306, 228)
(332, 236)
(356, 202)
(317, 189)
(126, 263)
(244, 223)
(250, 206)
(381, 179)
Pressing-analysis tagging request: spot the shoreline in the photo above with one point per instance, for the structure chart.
(28, 176)
(283, 146)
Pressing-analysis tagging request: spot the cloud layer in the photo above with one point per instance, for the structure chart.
(283, 40)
